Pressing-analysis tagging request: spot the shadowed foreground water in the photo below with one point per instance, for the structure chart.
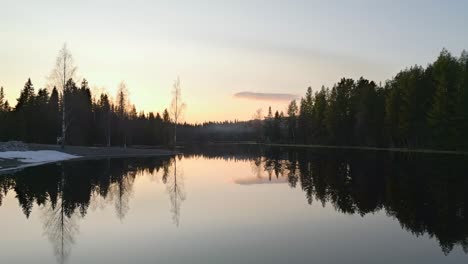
(239, 205)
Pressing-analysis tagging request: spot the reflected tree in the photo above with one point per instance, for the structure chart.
(121, 192)
(60, 224)
(60, 229)
(175, 188)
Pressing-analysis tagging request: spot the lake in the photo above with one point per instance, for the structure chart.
(239, 204)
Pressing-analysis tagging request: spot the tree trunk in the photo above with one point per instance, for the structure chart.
(64, 128)
(175, 134)
(108, 130)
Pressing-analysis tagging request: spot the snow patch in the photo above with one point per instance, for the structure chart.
(39, 156)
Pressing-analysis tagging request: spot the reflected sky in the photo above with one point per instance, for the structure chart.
(213, 208)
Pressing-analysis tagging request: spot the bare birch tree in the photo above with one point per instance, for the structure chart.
(63, 71)
(177, 106)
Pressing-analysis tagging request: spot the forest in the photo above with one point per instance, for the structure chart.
(421, 107)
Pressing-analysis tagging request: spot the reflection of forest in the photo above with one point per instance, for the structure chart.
(426, 193)
(65, 192)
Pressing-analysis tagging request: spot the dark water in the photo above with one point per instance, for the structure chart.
(239, 205)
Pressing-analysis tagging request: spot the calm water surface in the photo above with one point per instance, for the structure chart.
(239, 205)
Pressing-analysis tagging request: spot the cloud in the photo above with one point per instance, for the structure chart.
(266, 96)
(252, 180)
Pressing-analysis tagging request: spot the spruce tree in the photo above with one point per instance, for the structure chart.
(442, 116)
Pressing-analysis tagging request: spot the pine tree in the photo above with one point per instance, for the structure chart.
(105, 118)
(53, 117)
(292, 121)
(26, 97)
(40, 116)
(2, 100)
(318, 119)
(462, 109)
(24, 112)
(3, 115)
(340, 115)
(122, 105)
(306, 116)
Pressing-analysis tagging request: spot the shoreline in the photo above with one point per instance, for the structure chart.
(90, 153)
(404, 150)
(83, 153)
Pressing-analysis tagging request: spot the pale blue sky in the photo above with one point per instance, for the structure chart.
(219, 48)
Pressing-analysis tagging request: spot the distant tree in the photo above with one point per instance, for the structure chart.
(69, 95)
(166, 117)
(2, 99)
(277, 126)
(105, 117)
(63, 71)
(339, 115)
(80, 105)
(122, 109)
(268, 125)
(257, 124)
(462, 105)
(4, 116)
(306, 116)
(416, 91)
(166, 121)
(24, 112)
(318, 117)
(132, 117)
(40, 117)
(27, 96)
(292, 120)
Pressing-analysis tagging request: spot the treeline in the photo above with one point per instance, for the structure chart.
(418, 108)
(99, 120)
(37, 117)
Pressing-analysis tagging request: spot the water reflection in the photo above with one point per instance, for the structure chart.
(60, 229)
(175, 188)
(425, 193)
(64, 192)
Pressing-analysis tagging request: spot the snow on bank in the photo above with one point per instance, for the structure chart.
(33, 158)
(36, 156)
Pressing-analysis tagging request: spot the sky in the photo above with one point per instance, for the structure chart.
(232, 57)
